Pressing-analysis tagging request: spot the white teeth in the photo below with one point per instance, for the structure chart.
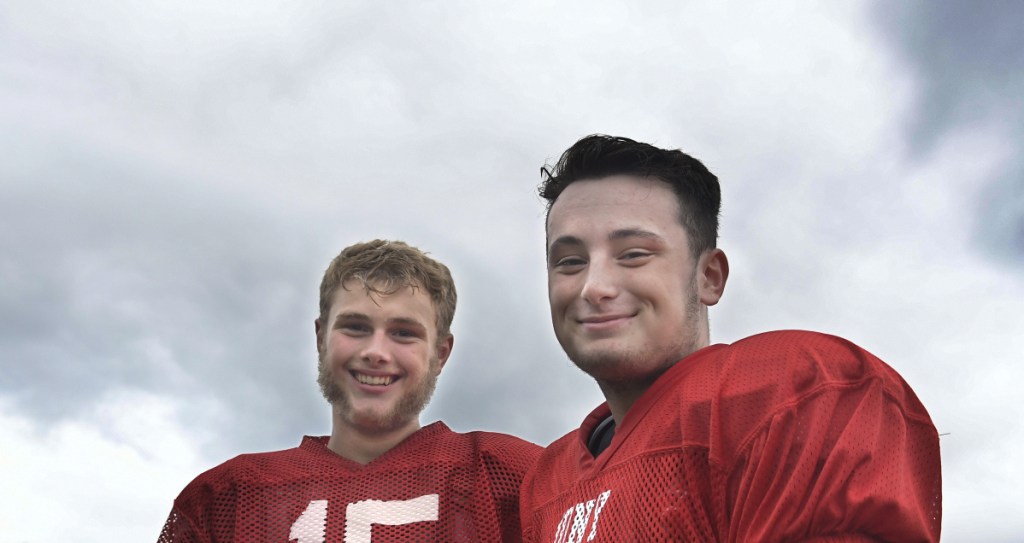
(373, 380)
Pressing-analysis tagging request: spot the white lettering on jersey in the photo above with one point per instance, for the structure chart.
(311, 526)
(601, 500)
(361, 516)
(573, 525)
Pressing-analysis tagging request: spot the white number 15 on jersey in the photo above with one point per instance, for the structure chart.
(311, 526)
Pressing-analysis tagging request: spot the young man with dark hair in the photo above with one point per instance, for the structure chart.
(782, 436)
(383, 338)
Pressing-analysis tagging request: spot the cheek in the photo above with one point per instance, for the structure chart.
(413, 356)
(561, 291)
(668, 290)
(338, 347)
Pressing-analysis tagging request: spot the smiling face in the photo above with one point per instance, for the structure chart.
(628, 299)
(379, 357)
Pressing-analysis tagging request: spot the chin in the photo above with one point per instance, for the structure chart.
(601, 363)
(622, 364)
(375, 421)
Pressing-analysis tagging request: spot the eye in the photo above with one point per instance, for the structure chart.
(569, 264)
(355, 328)
(405, 334)
(635, 257)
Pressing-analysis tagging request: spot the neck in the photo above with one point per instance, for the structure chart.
(363, 446)
(621, 396)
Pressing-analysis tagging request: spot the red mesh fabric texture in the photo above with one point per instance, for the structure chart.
(784, 436)
(436, 485)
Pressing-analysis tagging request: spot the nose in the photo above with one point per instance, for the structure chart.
(600, 283)
(375, 350)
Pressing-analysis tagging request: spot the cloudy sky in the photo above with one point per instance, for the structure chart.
(175, 176)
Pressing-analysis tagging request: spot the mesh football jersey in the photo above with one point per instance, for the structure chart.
(784, 436)
(437, 485)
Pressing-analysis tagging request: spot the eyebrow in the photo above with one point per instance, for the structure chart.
(634, 233)
(408, 321)
(622, 233)
(355, 316)
(566, 240)
(351, 315)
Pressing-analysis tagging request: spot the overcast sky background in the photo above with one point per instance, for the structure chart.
(175, 177)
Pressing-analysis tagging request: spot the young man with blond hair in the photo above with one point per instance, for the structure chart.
(383, 337)
(779, 437)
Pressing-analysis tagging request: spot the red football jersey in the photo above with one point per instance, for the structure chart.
(437, 485)
(784, 436)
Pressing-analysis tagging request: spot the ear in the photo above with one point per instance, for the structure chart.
(712, 273)
(444, 350)
(319, 329)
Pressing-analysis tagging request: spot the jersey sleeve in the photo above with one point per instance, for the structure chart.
(199, 511)
(180, 528)
(848, 459)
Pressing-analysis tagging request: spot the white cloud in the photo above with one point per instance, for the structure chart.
(112, 472)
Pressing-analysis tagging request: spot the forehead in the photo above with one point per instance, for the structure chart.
(622, 201)
(407, 302)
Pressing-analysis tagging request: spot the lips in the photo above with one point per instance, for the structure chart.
(604, 319)
(605, 324)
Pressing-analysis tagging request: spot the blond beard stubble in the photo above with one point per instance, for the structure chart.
(409, 406)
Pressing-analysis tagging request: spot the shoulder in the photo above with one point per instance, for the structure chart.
(792, 345)
(438, 443)
(731, 391)
(566, 457)
(240, 470)
(557, 469)
(796, 362)
(498, 440)
(784, 360)
(767, 370)
(502, 447)
(565, 449)
(560, 458)
(439, 436)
